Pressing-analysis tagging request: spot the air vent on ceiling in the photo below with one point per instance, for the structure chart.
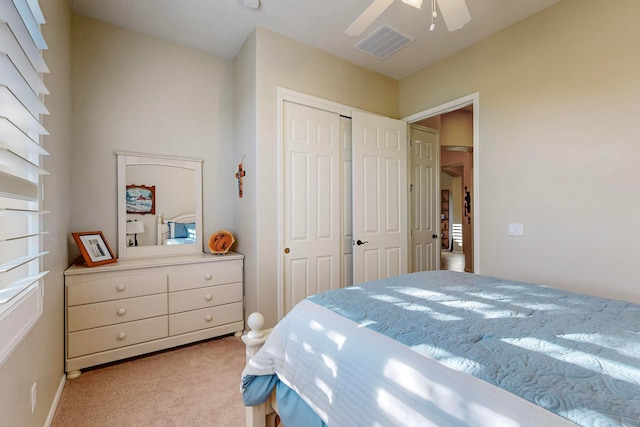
(383, 42)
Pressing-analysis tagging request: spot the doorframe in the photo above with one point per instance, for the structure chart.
(456, 104)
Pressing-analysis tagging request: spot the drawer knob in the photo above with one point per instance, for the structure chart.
(208, 276)
(122, 336)
(122, 311)
(121, 288)
(209, 318)
(208, 297)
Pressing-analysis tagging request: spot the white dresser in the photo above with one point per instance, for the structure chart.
(137, 306)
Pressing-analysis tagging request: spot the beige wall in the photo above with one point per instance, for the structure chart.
(137, 93)
(287, 63)
(558, 143)
(40, 357)
(456, 129)
(245, 126)
(282, 62)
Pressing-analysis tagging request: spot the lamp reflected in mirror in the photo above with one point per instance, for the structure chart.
(134, 227)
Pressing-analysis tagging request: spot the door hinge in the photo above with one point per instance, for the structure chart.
(410, 188)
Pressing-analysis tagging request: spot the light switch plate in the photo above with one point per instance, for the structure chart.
(516, 229)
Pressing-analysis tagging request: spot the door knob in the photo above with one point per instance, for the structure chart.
(360, 242)
(435, 236)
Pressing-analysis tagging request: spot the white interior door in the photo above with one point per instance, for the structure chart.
(425, 230)
(312, 208)
(380, 221)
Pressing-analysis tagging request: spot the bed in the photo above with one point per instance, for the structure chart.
(445, 348)
(180, 230)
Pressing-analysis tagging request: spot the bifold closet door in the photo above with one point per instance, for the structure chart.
(380, 217)
(311, 197)
(347, 201)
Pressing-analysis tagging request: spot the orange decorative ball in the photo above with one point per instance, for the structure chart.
(221, 241)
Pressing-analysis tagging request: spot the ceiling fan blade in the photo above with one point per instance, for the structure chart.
(367, 17)
(455, 13)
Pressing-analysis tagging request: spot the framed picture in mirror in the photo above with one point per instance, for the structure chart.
(141, 199)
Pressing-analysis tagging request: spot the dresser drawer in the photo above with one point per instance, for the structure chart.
(89, 316)
(120, 335)
(203, 275)
(204, 297)
(100, 287)
(189, 321)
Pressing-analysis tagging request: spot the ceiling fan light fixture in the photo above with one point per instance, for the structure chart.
(454, 13)
(367, 17)
(415, 3)
(434, 15)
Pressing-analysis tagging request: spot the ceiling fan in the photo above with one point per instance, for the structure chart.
(454, 12)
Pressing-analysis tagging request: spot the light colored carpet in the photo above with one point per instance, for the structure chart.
(196, 385)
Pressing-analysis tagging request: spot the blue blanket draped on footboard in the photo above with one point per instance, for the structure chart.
(575, 355)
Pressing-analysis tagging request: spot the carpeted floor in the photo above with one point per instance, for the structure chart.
(195, 385)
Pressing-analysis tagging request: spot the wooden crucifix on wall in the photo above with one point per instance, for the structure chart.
(239, 176)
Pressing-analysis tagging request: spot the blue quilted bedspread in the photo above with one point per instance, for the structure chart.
(575, 355)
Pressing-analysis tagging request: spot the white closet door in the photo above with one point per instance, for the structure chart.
(380, 221)
(347, 202)
(425, 241)
(312, 209)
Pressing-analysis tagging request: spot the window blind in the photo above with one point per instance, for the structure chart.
(21, 108)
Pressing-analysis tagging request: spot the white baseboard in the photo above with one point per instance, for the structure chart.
(56, 400)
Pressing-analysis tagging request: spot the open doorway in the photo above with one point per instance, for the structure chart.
(457, 202)
(454, 246)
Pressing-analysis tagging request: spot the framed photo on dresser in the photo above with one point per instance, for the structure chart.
(94, 248)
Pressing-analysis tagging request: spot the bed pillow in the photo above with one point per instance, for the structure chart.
(177, 230)
(191, 230)
(182, 230)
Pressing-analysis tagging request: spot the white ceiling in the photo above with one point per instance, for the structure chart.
(221, 26)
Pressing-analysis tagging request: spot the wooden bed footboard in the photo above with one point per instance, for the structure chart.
(265, 414)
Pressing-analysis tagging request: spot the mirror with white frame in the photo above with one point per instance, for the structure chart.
(159, 205)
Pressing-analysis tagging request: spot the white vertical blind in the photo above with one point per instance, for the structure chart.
(21, 107)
